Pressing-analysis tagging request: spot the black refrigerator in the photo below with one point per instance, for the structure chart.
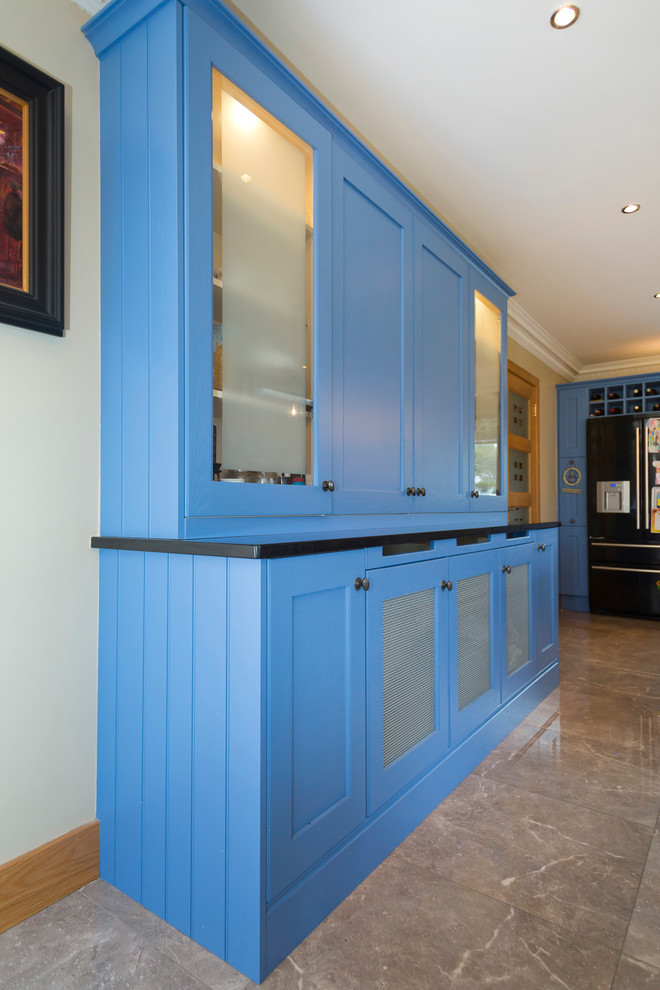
(623, 505)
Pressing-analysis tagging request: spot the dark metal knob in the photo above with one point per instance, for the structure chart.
(446, 584)
(410, 491)
(474, 494)
(572, 520)
(506, 568)
(540, 546)
(328, 486)
(420, 491)
(362, 583)
(449, 585)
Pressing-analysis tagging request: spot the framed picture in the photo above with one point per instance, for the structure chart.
(31, 197)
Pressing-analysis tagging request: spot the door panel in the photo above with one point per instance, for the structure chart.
(441, 369)
(407, 675)
(316, 710)
(372, 452)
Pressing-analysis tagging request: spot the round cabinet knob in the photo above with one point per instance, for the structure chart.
(449, 585)
(328, 486)
(362, 583)
(421, 491)
(443, 585)
(540, 546)
(572, 520)
(474, 494)
(410, 491)
(506, 568)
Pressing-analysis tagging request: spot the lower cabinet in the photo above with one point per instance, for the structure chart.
(298, 717)
(377, 674)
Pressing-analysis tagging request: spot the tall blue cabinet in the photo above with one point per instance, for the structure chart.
(295, 665)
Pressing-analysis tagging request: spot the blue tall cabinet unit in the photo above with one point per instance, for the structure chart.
(294, 669)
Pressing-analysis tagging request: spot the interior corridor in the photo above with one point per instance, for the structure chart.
(541, 870)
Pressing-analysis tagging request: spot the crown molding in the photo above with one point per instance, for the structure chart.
(91, 6)
(529, 334)
(610, 369)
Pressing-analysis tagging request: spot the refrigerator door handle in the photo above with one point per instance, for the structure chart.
(647, 521)
(637, 475)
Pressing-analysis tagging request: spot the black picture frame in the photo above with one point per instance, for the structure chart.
(40, 304)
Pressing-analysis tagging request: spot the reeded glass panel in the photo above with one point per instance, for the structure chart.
(408, 672)
(262, 294)
(487, 321)
(517, 618)
(473, 617)
(518, 415)
(518, 471)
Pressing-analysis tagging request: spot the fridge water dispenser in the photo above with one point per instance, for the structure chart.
(612, 496)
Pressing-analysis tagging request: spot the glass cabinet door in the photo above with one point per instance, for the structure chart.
(257, 293)
(488, 488)
(263, 229)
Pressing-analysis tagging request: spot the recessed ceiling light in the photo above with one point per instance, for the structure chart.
(630, 208)
(657, 295)
(564, 16)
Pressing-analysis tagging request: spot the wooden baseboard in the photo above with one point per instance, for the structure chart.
(42, 876)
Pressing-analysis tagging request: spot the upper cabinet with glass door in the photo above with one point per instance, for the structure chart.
(255, 436)
(488, 488)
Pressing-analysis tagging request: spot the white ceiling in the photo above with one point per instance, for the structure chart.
(527, 141)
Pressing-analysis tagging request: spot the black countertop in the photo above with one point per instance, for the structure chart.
(271, 547)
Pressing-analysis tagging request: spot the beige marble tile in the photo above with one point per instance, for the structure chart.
(76, 945)
(161, 937)
(410, 929)
(606, 775)
(567, 864)
(633, 974)
(643, 940)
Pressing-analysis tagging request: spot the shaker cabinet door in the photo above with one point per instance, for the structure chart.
(372, 342)
(441, 374)
(316, 710)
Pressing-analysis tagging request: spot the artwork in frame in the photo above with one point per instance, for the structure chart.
(31, 197)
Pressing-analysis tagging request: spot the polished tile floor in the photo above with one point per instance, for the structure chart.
(541, 870)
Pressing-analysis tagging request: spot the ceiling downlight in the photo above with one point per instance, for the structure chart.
(630, 208)
(565, 16)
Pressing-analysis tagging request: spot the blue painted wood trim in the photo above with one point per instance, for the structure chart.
(121, 15)
(302, 908)
(246, 768)
(141, 207)
(162, 736)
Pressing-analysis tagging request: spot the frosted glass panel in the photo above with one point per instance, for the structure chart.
(518, 471)
(487, 318)
(518, 415)
(262, 274)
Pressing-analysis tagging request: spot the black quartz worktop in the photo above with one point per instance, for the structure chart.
(271, 547)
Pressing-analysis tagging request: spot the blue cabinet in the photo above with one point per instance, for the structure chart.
(473, 589)
(545, 598)
(372, 267)
(442, 375)
(316, 704)
(407, 675)
(519, 618)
